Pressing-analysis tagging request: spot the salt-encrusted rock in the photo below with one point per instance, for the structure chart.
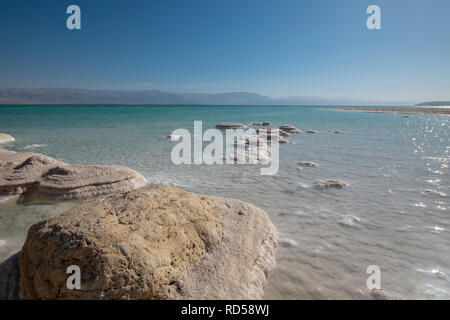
(311, 131)
(255, 141)
(9, 278)
(36, 175)
(5, 138)
(157, 242)
(230, 125)
(308, 164)
(267, 123)
(254, 151)
(290, 129)
(257, 124)
(325, 184)
(269, 132)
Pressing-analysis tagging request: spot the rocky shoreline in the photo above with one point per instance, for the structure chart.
(129, 240)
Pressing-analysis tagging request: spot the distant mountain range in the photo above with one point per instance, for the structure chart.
(88, 96)
(434, 104)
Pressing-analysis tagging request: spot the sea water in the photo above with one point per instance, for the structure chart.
(395, 212)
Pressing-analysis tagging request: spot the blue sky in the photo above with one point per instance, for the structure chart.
(273, 47)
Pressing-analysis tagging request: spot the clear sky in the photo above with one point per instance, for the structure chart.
(273, 47)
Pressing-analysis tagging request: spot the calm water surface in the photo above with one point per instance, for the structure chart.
(394, 213)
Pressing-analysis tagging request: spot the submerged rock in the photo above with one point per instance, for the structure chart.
(311, 131)
(174, 137)
(380, 294)
(36, 175)
(157, 242)
(257, 124)
(308, 164)
(230, 125)
(5, 138)
(325, 184)
(9, 278)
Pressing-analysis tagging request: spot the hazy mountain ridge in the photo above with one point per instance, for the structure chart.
(89, 96)
(434, 104)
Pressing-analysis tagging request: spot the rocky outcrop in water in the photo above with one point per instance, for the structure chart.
(290, 129)
(29, 175)
(270, 132)
(326, 184)
(5, 138)
(230, 125)
(157, 242)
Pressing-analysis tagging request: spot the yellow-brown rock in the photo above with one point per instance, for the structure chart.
(157, 242)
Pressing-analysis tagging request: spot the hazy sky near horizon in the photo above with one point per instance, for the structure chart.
(273, 47)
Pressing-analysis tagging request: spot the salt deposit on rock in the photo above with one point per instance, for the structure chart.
(36, 175)
(5, 138)
(290, 129)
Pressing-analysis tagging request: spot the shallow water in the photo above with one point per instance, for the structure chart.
(394, 213)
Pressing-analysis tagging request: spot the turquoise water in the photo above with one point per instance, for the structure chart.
(394, 213)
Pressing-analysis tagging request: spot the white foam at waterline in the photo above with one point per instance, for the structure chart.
(349, 220)
(435, 272)
(420, 204)
(287, 243)
(434, 192)
(436, 228)
(304, 185)
(31, 146)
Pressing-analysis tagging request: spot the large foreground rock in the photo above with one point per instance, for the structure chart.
(36, 175)
(157, 242)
